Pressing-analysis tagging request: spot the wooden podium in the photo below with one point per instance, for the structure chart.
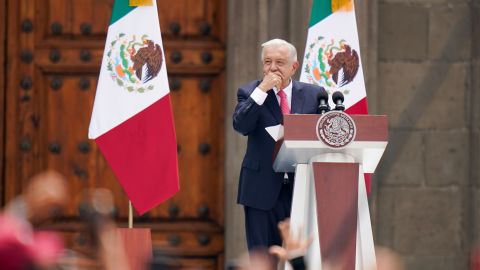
(329, 199)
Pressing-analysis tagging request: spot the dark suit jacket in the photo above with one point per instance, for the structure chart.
(259, 185)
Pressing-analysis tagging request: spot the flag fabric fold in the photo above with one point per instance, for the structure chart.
(132, 119)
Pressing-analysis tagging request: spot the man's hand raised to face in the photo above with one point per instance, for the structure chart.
(269, 81)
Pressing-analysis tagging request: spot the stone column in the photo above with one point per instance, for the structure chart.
(475, 134)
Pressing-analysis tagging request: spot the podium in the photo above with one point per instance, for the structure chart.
(329, 154)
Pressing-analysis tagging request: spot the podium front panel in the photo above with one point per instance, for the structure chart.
(300, 142)
(336, 186)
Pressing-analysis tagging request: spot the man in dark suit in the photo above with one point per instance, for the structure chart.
(267, 195)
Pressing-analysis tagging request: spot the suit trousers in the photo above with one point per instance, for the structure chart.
(262, 225)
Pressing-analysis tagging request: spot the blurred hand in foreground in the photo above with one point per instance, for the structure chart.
(293, 245)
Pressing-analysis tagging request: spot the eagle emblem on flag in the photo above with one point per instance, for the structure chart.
(134, 61)
(331, 64)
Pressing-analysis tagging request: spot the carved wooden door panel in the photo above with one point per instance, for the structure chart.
(53, 54)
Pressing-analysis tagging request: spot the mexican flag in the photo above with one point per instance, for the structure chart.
(132, 120)
(332, 53)
(332, 56)
(332, 60)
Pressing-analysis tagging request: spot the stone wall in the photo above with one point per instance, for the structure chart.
(425, 183)
(475, 110)
(422, 67)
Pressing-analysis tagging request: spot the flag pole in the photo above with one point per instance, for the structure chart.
(130, 215)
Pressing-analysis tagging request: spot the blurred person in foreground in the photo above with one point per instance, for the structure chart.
(104, 247)
(110, 244)
(388, 259)
(21, 246)
(294, 246)
(293, 251)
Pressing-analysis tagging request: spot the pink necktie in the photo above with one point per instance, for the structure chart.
(283, 102)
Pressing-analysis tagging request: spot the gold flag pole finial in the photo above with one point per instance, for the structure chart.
(136, 3)
(342, 5)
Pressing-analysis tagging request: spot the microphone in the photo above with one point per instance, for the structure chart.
(338, 99)
(322, 98)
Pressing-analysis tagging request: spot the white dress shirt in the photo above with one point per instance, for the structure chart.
(259, 96)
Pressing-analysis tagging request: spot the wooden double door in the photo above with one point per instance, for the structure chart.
(52, 60)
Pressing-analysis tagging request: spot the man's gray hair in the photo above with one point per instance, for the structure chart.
(280, 43)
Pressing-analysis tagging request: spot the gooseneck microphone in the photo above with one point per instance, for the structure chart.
(322, 98)
(338, 99)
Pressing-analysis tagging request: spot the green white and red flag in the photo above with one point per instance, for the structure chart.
(332, 53)
(132, 119)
